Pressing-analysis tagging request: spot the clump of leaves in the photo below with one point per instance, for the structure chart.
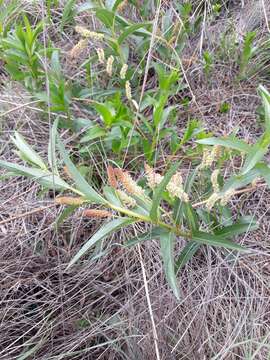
(22, 54)
(123, 124)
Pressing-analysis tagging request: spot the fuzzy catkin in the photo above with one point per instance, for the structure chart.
(109, 65)
(128, 90)
(126, 200)
(175, 187)
(111, 177)
(216, 152)
(207, 159)
(93, 213)
(128, 183)
(101, 55)
(123, 71)
(89, 34)
(153, 179)
(76, 51)
(69, 200)
(214, 180)
(135, 104)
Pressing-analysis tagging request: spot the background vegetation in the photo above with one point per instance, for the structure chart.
(134, 179)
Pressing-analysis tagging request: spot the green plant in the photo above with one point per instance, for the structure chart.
(208, 63)
(8, 11)
(195, 209)
(59, 94)
(22, 54)
(247, 53)
(122, 124)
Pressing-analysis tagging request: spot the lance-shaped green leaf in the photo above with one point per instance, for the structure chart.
(111, 196)
(266, 104)
(133, 29)
(215, 240)
(191, 216)
(167, 241)
(240, 227)
(186, 254)
(45, 178)
(28, 154)
(238, 181)
(229, 142)
(104, 231)
(157, 196)
(256, 153)
(88, 192)
(105, 112)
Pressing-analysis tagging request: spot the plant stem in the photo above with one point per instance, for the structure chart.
(132, 214)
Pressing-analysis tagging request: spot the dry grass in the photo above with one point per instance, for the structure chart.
(99, 309)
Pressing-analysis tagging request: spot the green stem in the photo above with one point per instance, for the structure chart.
(132, 214)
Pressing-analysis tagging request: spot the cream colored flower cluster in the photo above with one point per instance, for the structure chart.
(217, 196)
(210, 156)
(174, 187)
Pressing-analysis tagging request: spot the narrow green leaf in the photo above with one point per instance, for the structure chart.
(238, 181)
(27, 152)
(256, 153)
(89, 5)
(191, 216)
(88, 192)
(186, 254)
(131, 30)
(215, 240)
(266, 104)
(104, 231)
(237, 229)
(113, 4)
(104, 112)
(93, 133)
(228, 142)
(111, 196)
(167, 241)
(45, 178)
(157, 196)
(67, 13)
(106, 17)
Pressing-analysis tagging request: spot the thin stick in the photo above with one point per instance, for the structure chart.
(27, 213)
(19, 107)
(155, 336)
(265, 15)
